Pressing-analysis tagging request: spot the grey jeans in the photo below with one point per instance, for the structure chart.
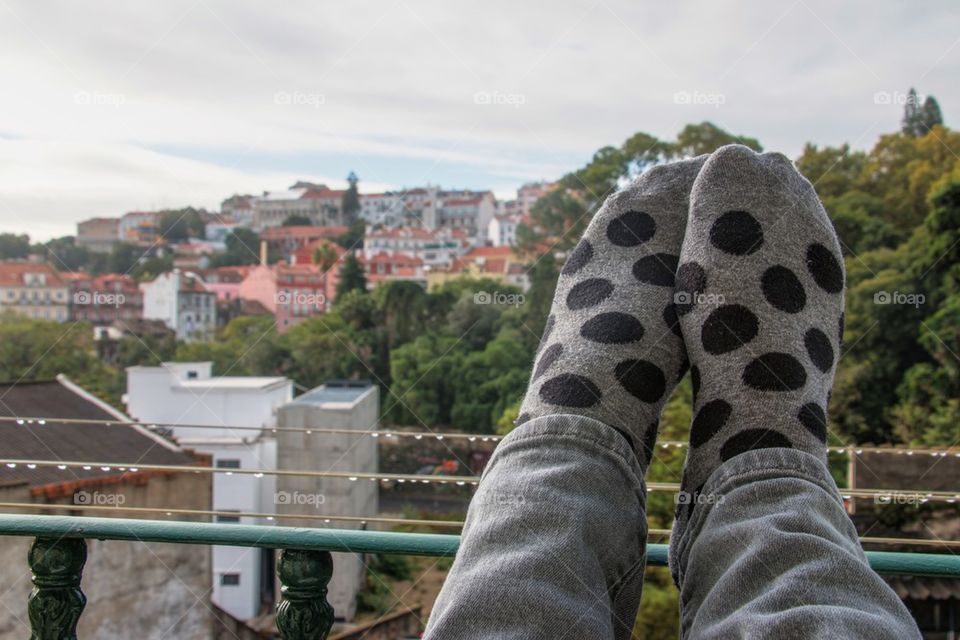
(555, 537)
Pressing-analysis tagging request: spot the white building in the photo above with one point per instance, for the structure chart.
(186, 393)
(182, 302)
(348, 405)
(467, 210)
(502, 230)
(322, 206)
(438, 248)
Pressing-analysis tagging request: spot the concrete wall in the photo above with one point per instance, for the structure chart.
(133, 589)
(330, 496)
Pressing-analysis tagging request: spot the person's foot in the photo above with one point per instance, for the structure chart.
(760, 287)
(612, 349)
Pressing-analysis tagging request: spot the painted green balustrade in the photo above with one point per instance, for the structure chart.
(305, 567)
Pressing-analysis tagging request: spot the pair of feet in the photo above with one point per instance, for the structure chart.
(725, 264)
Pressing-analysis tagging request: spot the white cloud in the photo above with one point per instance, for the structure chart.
(380, 80)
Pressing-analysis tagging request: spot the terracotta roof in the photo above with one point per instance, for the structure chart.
(488, 252)
(59, 441)
(12, 273)
(72, 276)
(302, 231)
(457, 202)
(325, 194)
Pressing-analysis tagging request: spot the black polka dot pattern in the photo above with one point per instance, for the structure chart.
(612, 327)
(523, 417)
(825, 268)
(642, 379)
(571, 390)
(578, 258)
(814, 419)
(695, 381)
(709, 421)
(819, 349)
(550, 355)
(775, 372)
(589, 293)
(631, 229)
(691, 281)
(728, 328)
(783, 289)
(547, 330)
(840, 324)
(671, 320)
(659, 269)
(736, 232)
(751, 439)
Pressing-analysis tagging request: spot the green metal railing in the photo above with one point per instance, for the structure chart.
(59, 551)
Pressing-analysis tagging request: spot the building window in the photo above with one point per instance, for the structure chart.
(228, 519)
(228, 463)
(191, 375)
(230, 580)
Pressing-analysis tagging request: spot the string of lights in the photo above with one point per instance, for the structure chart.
(328, 519)
(881, 496)
(419, 435)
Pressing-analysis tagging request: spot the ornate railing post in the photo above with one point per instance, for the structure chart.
(56, 601)
(303, 612)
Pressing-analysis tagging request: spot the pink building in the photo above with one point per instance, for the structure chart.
(224, 281)
(292, 293)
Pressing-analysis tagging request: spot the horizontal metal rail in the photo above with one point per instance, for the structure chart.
(355, 541)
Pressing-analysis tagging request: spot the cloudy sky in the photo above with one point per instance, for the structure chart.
(111, 107)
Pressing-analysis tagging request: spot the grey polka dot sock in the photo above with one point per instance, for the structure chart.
(612, 348)
(760, 299)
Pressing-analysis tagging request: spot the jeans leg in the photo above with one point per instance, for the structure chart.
(769, 552)
(554, 541)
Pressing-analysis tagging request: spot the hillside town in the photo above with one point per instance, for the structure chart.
(278, 254)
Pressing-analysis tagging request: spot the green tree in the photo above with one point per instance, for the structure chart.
(351, 276)
(14, 246)
(353, 238)
(930, 115)
(325, 256)
(706, 137)
(350, 203)
(177, 225)
(242, 247)
(297, 220)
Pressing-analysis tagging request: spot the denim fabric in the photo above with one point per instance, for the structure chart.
(553, 547)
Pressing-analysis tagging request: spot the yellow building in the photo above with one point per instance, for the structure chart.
(33, 289)
(493, 263)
